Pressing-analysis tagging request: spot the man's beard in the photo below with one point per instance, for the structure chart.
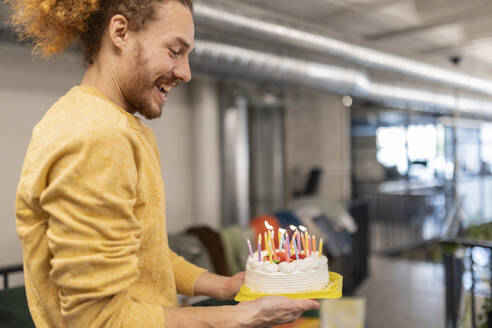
(136, 89)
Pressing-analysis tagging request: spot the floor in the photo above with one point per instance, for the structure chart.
(404, 294)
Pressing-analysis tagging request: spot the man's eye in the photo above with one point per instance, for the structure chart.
(174, 53)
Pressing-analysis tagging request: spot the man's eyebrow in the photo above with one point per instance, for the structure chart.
(184, 43)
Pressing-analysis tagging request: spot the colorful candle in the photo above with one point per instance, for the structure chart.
(320, 247)
(308, 243)
(293, 239)
(272, 241)
(287, 241)
(297, 253)
(303, 240)
(270, 250)
(250, 248)
(270, 231)
(298, 242)
(259, 247)
(314, 243)
(287, 250)
(281, 234)
(303, 237)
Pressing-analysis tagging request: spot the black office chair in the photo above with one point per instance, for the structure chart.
(312, 184)
(14, 312)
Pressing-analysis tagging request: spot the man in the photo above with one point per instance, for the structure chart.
(90, 203)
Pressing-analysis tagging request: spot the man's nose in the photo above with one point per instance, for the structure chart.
(182, 70)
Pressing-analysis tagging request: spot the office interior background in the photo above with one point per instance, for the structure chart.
(371, 120)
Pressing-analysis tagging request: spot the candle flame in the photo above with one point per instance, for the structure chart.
(302, 228)
(293, 227)
(281, 230)
(268, 226)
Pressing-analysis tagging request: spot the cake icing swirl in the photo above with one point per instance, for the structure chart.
(303, 275)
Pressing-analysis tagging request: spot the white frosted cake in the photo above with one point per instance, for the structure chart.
(287, 276)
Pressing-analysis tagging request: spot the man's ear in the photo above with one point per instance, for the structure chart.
(118, 31)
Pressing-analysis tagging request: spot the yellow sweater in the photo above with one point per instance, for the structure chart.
(91, 218)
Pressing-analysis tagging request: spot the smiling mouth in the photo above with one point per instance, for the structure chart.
(163, 89)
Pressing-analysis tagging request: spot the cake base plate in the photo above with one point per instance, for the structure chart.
(333, 290)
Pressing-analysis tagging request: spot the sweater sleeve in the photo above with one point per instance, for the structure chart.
(93, 234)
(185, 274)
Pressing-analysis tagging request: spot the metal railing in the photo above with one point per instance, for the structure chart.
(7, 270)
(403, 220)
(454, 269)
(354, 267)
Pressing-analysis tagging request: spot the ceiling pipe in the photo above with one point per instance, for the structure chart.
(228, 21)
(234, 62)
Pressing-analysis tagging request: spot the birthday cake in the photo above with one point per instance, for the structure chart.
(294, 268)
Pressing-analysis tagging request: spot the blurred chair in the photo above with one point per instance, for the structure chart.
(312, 184)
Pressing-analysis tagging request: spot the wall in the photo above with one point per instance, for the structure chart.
(317, 129)
(28, 86)
(188, 137)
(206, 152)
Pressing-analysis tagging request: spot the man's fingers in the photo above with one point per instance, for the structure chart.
(306, 305)
(313, 305)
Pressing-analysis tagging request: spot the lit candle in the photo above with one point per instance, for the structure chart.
(259, 247)
(303, 237)
(293, 239)
(314, 243)
(281, 234)
(297, 253)
(287, 250)
(250, 249)
(270, 233)
(320, 247)
(303, 240)
(308, 242)
(298, 242)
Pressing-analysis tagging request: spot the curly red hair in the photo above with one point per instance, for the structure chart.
(54, 24)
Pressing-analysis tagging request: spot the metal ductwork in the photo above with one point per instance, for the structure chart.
(233, 62)
(274, 33)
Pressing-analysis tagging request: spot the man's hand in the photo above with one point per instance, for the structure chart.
(233, 284)
(273, 310)
(219, 287)
(263, 312)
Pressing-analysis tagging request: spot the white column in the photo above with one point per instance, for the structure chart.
(206, 154)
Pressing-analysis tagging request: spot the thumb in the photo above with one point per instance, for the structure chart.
(309, 304)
